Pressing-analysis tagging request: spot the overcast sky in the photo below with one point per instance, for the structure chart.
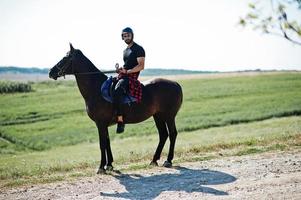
(190, 34)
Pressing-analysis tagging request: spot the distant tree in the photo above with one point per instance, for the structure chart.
(275, 17)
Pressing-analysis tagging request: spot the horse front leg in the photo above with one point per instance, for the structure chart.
(109, 153)
(105, 149)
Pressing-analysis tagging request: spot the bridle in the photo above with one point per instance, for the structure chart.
(62, 70)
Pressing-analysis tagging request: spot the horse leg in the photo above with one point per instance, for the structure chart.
(103, 134)
(163, 134)
(172, 138)
(109, 154)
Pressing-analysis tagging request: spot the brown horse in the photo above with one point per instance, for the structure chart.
(161, 99)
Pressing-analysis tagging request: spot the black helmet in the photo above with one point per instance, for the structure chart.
(127, 30)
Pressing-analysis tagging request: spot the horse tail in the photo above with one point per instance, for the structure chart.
(180, 97)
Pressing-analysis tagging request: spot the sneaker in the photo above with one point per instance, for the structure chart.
(120, 127)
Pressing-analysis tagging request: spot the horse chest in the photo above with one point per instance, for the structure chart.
(97, 112)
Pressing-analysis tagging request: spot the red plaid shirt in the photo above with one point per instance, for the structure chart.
(135, 86)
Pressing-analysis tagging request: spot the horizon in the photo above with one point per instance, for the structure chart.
(203, 37)
(168, 69)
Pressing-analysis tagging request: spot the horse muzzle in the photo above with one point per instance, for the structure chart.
(53, 75)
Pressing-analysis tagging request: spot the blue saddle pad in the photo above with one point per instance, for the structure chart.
(105, 92)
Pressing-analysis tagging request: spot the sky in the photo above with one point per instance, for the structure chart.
(176, 34)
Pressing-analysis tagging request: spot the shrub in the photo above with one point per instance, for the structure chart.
(13, 87)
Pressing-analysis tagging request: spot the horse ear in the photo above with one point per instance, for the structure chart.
(71, 47)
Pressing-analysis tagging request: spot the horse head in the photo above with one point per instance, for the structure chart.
(64, 66)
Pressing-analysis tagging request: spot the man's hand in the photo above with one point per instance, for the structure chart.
(122, 70)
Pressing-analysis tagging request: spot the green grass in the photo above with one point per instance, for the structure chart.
(54, 115)
(46, 135)
(83, 159)
(224, 101)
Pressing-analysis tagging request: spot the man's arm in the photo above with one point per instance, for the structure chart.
(138, 67)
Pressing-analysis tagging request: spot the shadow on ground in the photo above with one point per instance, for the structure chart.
(181, 180)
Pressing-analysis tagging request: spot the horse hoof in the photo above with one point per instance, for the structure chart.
(101, 171)
(110, 168)
(154, 163)
(167, 164)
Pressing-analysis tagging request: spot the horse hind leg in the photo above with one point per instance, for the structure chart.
(163, 134)
(172, 138)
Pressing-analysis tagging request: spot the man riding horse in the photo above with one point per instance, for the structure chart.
(127, 79)
(162, 100)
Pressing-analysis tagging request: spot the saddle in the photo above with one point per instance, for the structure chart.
(107, 88)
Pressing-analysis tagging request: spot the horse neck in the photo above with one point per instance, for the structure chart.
(88, 78)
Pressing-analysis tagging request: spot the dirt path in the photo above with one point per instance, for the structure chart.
(274, 175)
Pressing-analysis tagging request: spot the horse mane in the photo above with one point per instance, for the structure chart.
(87, 64)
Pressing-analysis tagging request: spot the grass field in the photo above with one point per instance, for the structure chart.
(45, 135)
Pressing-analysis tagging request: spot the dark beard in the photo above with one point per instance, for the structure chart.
(129, 41)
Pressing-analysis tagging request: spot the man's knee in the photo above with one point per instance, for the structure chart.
(121, 87)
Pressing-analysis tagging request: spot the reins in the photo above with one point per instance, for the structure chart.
(69, 64)
(62, 71)
(104, 72)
